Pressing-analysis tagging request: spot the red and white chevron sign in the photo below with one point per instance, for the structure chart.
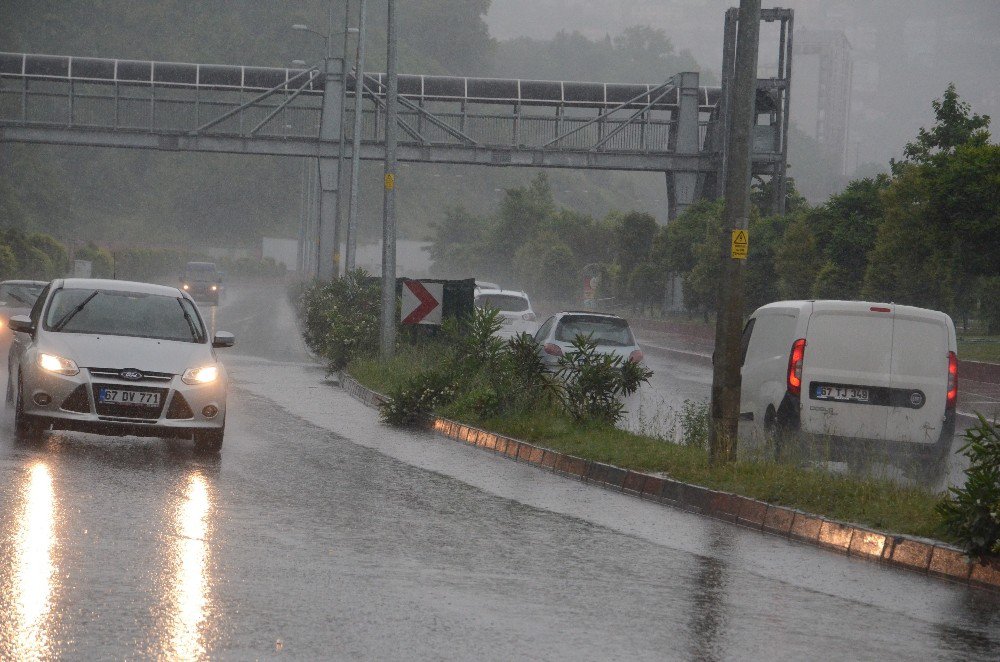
(421, 302)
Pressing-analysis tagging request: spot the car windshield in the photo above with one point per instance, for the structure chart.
(603, 330)
(507, 302)
(20, 295)
(114, 313)
(201, 272)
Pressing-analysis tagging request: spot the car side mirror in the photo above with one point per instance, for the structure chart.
(21, 324)
(223, 339)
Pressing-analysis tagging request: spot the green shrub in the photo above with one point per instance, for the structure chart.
(415, 402)
(594, 382)
(971, 514)
(695, 421)
(341, 318)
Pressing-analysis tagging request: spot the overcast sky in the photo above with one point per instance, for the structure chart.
(904, 52)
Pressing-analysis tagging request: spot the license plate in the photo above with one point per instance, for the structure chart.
(842, 393)
(121, 397)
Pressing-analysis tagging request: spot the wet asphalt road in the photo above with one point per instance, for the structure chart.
(320, 534)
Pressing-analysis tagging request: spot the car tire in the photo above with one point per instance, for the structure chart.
(209, 442)
(26, 428)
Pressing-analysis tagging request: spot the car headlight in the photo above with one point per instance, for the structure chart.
(203, 375)
(215, 287)
(185, 286)
(57, 364)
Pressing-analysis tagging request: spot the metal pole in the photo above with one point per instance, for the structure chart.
(726, 366)
(359, 68)
(388, 338)
(341, 149)
(303, 217)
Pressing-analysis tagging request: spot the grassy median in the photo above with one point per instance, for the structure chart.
(874, 502)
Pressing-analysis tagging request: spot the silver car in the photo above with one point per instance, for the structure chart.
(117, 357)
(611, 333)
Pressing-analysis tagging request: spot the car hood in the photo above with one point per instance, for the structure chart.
(119, 352)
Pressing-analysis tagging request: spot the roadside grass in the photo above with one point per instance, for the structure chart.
(876, 502)
(979, 348)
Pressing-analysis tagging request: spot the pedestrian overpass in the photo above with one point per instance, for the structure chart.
(676, 127)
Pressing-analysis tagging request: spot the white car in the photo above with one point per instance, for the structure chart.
(516, 315)
(117, 357)
(860, 374)
(611, 333)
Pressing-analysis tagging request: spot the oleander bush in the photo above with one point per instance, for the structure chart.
(340, 318)
(971, 514)
(593, 384)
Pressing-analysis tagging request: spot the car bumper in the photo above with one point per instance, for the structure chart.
(72, 404)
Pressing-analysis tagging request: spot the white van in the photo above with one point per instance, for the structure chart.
(870, 375)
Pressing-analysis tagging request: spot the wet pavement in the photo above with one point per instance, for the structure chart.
(321, 534)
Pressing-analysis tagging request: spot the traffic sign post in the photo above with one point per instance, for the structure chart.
(421, 302)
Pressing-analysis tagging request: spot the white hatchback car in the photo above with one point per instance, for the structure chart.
(516, 315)
(117, 357)
(611, 333)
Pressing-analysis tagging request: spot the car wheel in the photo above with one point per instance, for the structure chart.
(26, 428)
(209, 441)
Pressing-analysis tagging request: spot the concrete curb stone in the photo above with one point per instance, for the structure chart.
(925, 556)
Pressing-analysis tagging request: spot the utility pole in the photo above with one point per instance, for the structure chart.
(733, 243)
(388, 338)
(359, 79)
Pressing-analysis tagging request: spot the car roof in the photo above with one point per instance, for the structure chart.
(24, 282)
(491, 290)
(117, 286)
(592, 313)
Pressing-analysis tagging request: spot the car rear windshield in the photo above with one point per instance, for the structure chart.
(20, 295)
(603, 330)
(504, 302)
(114, 313)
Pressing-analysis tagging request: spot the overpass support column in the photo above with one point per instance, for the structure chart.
(682, 187)
(330, 130)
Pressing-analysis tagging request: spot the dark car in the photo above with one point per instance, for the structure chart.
(202, 281)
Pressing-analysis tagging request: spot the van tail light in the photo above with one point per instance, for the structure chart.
(952, 381)
(552, 349)
(528, 317)
(635, 356)
(795, 366)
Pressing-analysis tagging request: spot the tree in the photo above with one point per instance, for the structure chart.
(796, 261)
(457, 243)
(955, 125)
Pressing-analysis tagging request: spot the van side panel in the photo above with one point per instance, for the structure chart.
(766, 363)
(920, 376)
(850, 347)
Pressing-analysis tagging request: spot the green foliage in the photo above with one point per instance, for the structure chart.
(8, 263)
(989, 303)
(971, 514)
(415, 402)
(101, 260)
(695, 421)
(341, 318)
(595, 382)
(795, 261)
(955, 126)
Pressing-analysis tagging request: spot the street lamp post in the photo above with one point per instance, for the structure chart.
(354, 203)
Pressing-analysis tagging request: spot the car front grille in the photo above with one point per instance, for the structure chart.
(130, 411)
(115, 373)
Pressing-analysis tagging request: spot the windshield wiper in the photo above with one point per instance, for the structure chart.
(191, 325)
(14, 296)
(58, 326)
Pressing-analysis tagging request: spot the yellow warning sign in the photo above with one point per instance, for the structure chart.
(390, 181)
(740, 244)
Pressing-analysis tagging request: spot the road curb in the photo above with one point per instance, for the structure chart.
(928, 557)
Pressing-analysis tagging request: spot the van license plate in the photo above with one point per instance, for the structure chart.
(842, 393)
(120, 397)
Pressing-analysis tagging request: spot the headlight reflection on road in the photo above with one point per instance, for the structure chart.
(33, 567)
(189, 589)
